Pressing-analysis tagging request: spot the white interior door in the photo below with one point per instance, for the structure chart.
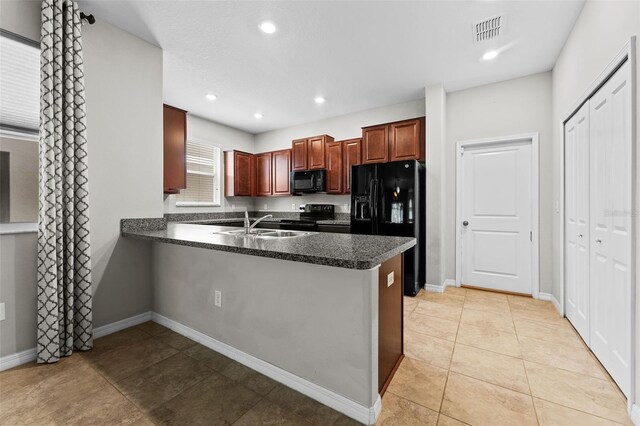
(577, 238)
(497, 218)
(611, 232)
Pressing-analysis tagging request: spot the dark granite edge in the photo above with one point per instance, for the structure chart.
(316, 260)
(201, 216)
(144, 224)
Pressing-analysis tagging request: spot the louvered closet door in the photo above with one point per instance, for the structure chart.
(577, 221)
(610, 221)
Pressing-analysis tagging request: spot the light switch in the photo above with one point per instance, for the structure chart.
(2, 311)
(390, 279)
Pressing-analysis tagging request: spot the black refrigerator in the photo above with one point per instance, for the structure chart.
(389, 199)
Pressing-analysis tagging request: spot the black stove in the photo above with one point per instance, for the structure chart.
(310, 216)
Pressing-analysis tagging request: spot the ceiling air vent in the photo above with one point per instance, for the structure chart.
(487, 29)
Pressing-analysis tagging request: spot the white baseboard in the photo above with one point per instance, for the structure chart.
(449, 283)
(30, 355)
(121, 325)
(14, 360)
(363, 414)
(551, 298)
(433, 288)
(635, 414)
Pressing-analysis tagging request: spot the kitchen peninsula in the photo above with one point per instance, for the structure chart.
(321, 312)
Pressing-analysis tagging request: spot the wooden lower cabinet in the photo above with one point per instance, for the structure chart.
(281, 169)
(263, 174)
(335, 177)
(390, 321)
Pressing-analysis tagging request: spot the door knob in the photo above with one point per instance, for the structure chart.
(465, 223)
(579, 235)
(598, 241)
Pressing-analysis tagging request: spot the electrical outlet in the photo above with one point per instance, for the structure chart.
(390, 279)
(2, 316)
(265, 206)
(233, 206)
(345, 208)
(218, 297)
(293, 206)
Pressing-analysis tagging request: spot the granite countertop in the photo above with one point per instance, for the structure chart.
(339, 250)
(268, 220)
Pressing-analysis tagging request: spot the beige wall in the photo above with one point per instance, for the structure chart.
(500, 109)
(23, 178)
(600, 32)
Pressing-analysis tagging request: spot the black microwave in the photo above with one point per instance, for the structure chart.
(308, 181)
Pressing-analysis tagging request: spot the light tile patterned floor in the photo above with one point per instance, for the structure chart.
(472, 357)
(482, 358)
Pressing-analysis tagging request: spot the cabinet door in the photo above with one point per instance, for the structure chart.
(375, 144)
(334, 167)
(317, 151)
(263, 174)
(299, 154)
(406, 141)
(242, 173)
(281, 171)
(352, 157)
(175, 149)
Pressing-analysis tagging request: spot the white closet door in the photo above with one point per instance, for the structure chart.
(610, 221)
(577, 220)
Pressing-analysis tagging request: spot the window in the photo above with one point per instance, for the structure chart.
(203, 176)
(19, 122)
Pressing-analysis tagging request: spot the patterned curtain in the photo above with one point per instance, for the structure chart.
(64, 259)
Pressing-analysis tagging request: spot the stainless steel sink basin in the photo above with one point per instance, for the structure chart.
(267, 233)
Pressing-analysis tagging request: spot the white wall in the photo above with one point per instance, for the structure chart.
(123, 79)
(501, 109)
(435, 111)
(343, 127)
(599, 34)
(226, 138)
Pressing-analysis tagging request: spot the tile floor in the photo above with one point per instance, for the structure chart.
(472, 357)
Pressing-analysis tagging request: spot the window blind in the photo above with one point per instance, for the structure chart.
(19, 85)
(202, 176)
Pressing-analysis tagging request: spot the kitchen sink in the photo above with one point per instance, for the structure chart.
(267, 233)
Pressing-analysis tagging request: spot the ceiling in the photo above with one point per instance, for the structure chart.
(357, 54)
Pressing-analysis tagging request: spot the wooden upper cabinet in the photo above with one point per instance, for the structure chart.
(263, 174)
(317, 151)
(281, 168)
(239, 174)
(335, 178)
(299, 154)
(352, 156)
(406, 140)
(175, 149)
(375, 144)
(310, 153)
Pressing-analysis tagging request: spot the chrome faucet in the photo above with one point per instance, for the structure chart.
(248, 226)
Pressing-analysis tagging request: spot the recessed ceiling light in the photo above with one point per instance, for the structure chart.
(211, 96)
(492, 54)
(258, 115)
(319, 100)
(267, 27)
